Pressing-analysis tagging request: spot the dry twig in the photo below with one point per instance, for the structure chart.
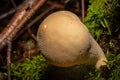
(7, 13)
(13, 3)
(25, 11)
(83, 10)
(9, 58)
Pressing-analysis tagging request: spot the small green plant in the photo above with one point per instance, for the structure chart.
(103, 17)
(29, 70)
(114, 69)
(96, 19)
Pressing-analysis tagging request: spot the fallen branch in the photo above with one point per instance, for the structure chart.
(25, 11)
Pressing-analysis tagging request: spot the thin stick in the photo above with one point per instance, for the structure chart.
(13, 3)
(56, 5)
(83, 10)
(7, 13)
(9, 59)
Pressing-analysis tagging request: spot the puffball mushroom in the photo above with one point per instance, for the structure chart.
(65, 41)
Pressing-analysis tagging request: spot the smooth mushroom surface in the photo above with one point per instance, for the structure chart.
(65, 41)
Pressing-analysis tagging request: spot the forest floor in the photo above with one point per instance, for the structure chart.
(21, 44)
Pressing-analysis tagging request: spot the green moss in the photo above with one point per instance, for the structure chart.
(96, 18)
(30, 70)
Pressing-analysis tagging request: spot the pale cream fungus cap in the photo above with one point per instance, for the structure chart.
(65, 41)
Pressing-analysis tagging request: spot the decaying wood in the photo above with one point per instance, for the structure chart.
(25, 11)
